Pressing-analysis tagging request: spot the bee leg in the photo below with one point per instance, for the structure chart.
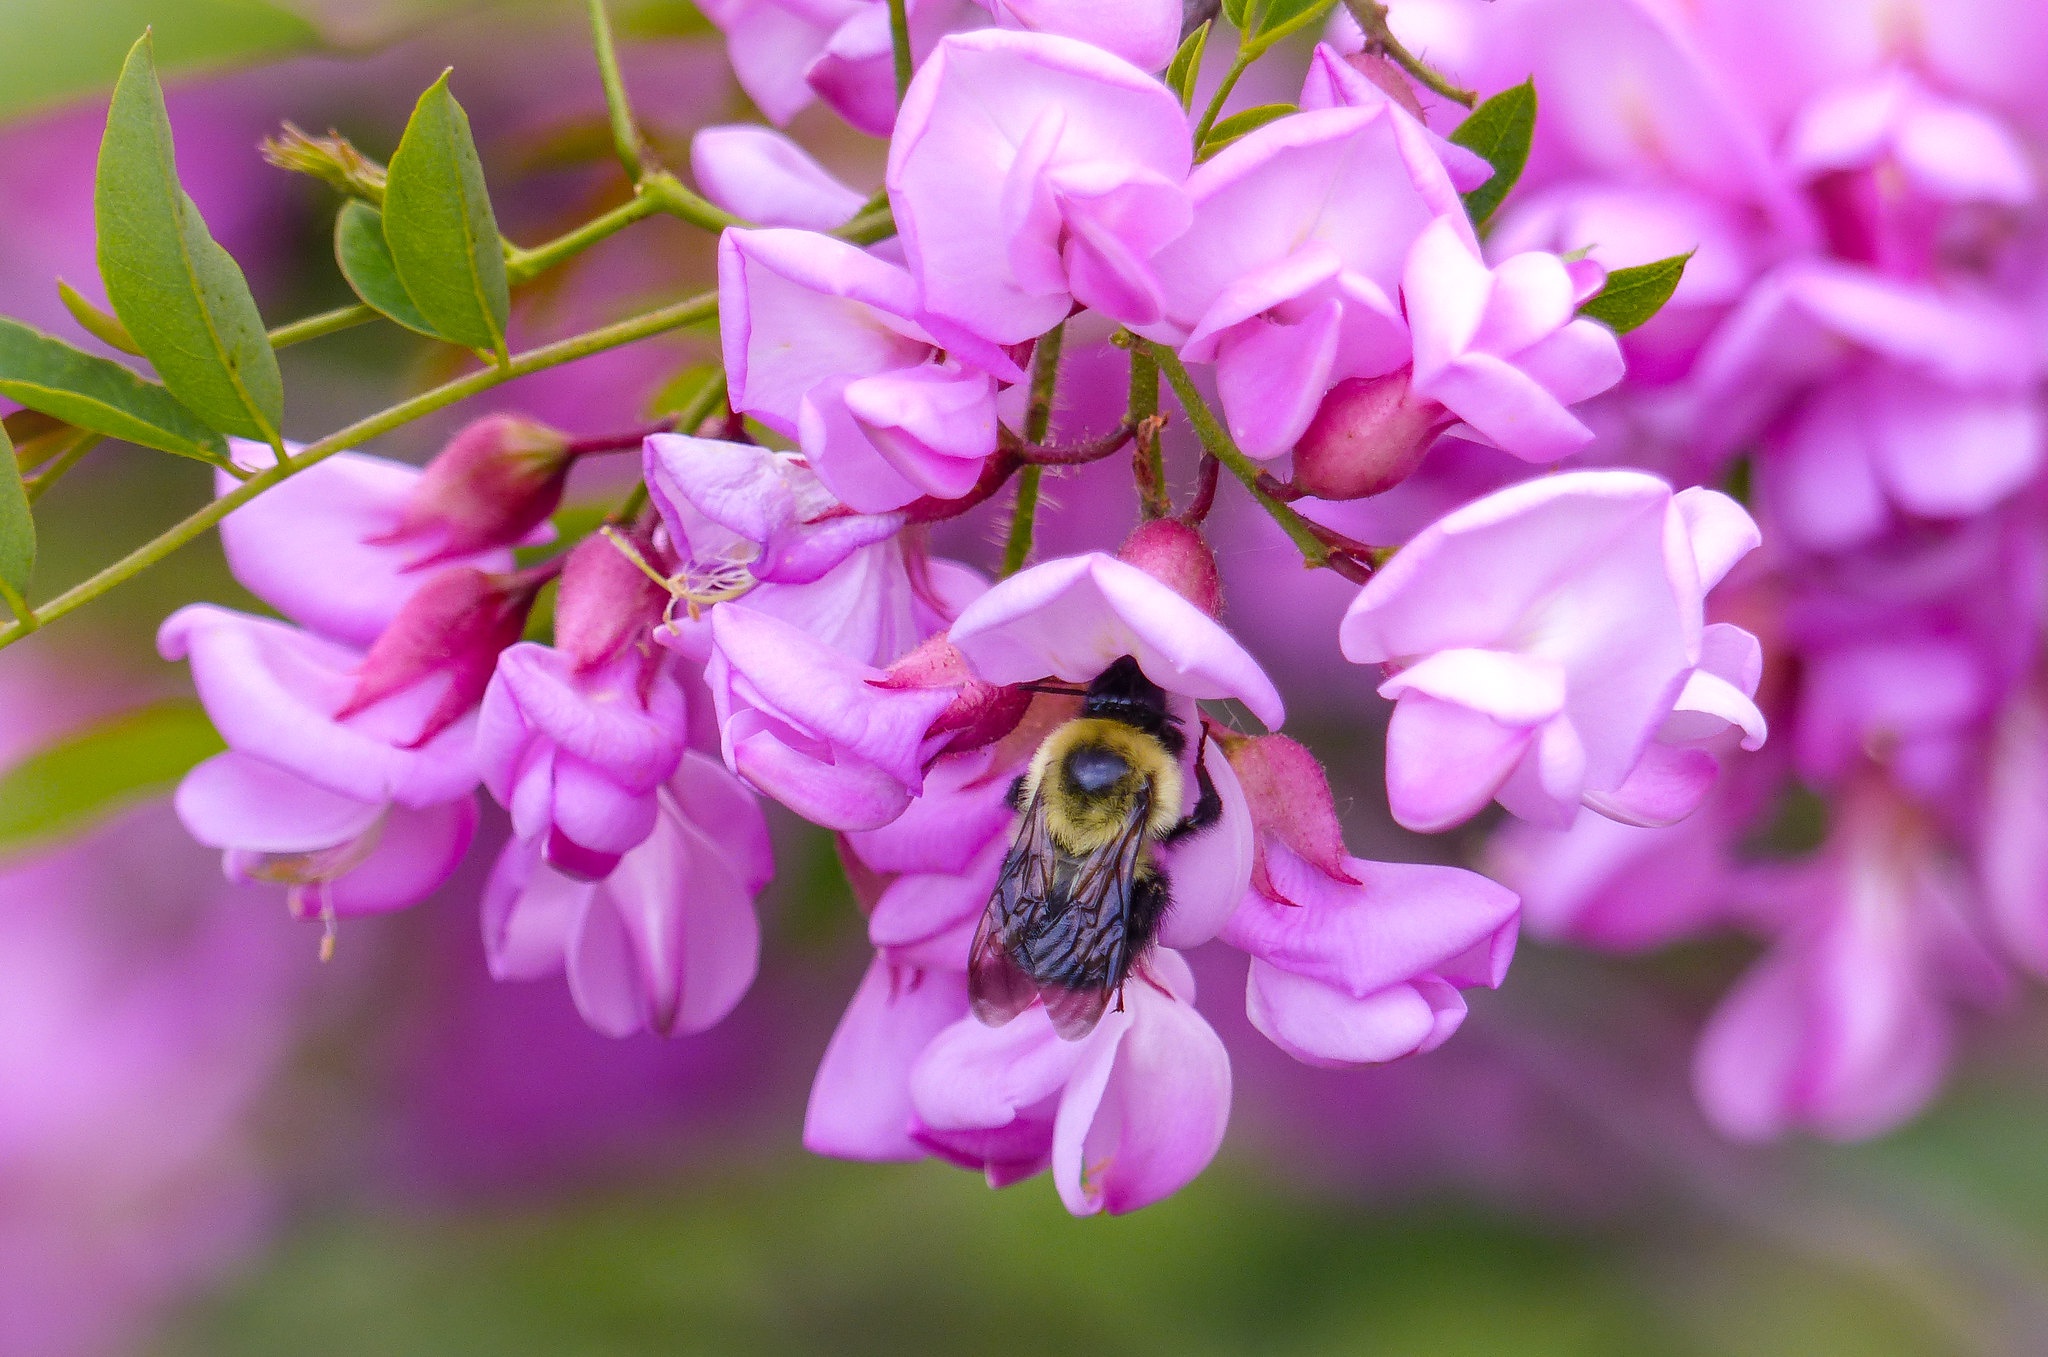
(1015, 796)
(1208, 807)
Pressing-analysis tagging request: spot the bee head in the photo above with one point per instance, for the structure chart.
(1096, 768)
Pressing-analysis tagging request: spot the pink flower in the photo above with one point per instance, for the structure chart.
(811, 726)
(765, 178)
(860, 1104)
(1353, 962)
(1499, 347)
(823, 344)
(738, 513)
(1030, 172)
(1289, 277)
(578, 756)
(356, 814)
(1843, 1029)
(668, 941)
(1884, 393)
(1124, 1117)
(1072, 618)
(1547, 647)
(318, 547)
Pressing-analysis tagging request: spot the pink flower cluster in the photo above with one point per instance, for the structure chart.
(776, 623)
(1859, 340)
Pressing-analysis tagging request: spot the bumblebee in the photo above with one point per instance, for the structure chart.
(1082, 894)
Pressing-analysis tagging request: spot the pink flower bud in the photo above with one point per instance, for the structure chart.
(606, 602)
(1176, 555)
(495, 482)
(453, 629)
(1290, 801)
(1369, 435)
(981, 714)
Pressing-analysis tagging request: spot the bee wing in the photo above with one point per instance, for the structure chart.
(1057, 926)
(996, 984)
(1083, 957)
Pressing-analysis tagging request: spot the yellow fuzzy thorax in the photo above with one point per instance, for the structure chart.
(1082, 822)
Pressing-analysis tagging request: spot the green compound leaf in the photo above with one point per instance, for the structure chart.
(1499, 132)
(1239, 123)
(1633, 295)
(1187, 65)
(180, 295)
(438, 222)
(64, 787)
(46, 374)
(365, 259)
(17, 528)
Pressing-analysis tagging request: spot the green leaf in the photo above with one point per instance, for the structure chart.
(685, 391)
(1239, 123)
(52, 53)
(101, 325)
(365, 260)
(1275, 19)
(1634, 295)
(1187, 65)
(97, 393)
(1235, 11)
(1499, 132)
(64, 787)
(179, 293)
(437, 220)
(17, 530)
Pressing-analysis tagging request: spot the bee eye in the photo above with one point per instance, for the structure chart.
(1092, 770)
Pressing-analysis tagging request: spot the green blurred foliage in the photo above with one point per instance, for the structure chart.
(52, 50)
(807, 1256)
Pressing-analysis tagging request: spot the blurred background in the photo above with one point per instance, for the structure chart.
(210, 1143)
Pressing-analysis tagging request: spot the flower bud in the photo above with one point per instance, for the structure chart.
(981, 712)
(1175, 554)
(455, 625)
(1368, 436)
(495, 482)
(1289, 797)
(606, 602)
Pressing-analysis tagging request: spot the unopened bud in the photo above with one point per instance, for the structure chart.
(1176, 555)
(332, 159)
(1369, 435)
(982, 712)
(454, 625)
(494, 483)
(606, 602)
(1289, 798)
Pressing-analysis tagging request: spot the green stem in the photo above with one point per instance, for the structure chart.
(19, 607)
(53, 471)
(1372, 19)
(326, 323)
(668, 194)
(869, 225)
(1144, 403)
(524, 265)
(687, 312)
(1248, 52)
(1045, 375)
(1315, 552)
(625, 133)
(899, 42)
